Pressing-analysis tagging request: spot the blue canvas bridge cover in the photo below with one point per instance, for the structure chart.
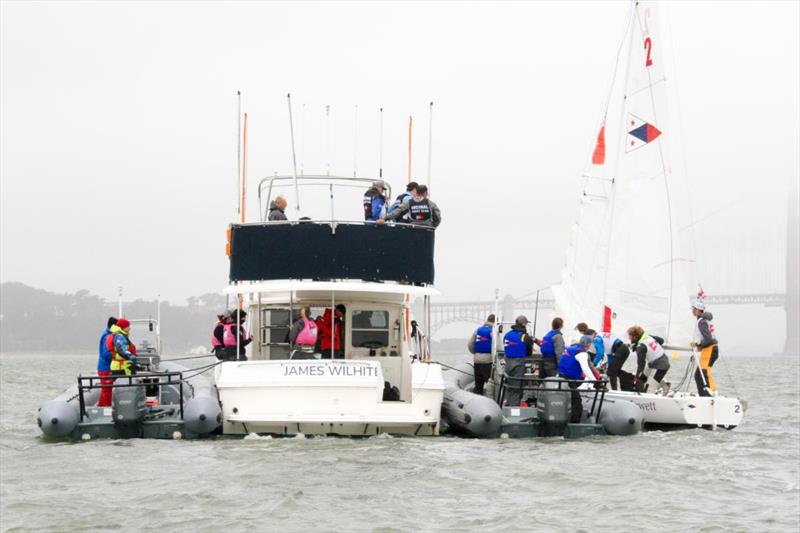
(307, 250)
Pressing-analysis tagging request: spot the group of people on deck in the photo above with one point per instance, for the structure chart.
(591, 354)
(308, 337)
(411, 207)
(116, 356)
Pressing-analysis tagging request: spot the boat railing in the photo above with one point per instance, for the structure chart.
(146, 379)
(307, 181)
(597, 389)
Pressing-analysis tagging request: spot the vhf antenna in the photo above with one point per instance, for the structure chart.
(294, 156)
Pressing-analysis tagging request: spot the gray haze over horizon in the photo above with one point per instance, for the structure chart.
(118, 139)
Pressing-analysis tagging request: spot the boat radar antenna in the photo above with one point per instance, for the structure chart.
(238, 146)
(355, 139)
(380, 143)
(294, 155)
(430, 141)
(327, 140)
(410, 126)
(244, 168)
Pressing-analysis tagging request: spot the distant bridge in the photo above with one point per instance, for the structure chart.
(445, 313)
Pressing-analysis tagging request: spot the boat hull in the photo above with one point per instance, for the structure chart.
(325, 397)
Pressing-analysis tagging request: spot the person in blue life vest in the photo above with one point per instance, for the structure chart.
(104, 366)
(375, 201)
(597, 349)
(518, 348)
(574, 366)
(649, 351)
(552, 346)
(123, 352)
(410, 192)
(420, 209)
(480, 345)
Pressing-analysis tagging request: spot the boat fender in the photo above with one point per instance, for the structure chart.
(621, 418)
(202, 415)
(57, 418)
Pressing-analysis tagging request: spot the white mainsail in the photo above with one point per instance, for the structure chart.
(624, 251)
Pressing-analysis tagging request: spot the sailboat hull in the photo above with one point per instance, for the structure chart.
(683, 410)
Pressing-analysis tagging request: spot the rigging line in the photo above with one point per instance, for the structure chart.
(666, 190)
(688, 197)
(620, 147)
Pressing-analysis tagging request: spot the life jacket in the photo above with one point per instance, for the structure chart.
(104, 356)
(228, 338)
(568, 365)
(483, 340)
(547, 347)
(215, 342)
(398, 202)
(419, 210)
(513, 344)
(698, 337)
(654, 349)
(369, 197)
(324, 328)
(118, 361)
(609, 340)
(308, 335)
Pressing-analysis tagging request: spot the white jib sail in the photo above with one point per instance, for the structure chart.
(624, 250)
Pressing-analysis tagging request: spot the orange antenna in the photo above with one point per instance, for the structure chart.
(244, 166)
(410, 124)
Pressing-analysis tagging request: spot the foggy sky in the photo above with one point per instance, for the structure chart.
(118, 130)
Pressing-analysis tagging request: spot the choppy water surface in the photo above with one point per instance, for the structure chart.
(742, 480)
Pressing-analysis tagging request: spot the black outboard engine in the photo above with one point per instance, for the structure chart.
(128, 410)
(554, 407)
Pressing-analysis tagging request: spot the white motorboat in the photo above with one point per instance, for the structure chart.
(631, 259)
(380, 380)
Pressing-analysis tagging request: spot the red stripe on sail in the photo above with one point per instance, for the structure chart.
(606, 318)
(599, 155)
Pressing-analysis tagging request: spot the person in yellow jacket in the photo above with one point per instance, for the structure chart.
(123, 352)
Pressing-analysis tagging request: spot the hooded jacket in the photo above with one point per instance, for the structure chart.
(275, 212)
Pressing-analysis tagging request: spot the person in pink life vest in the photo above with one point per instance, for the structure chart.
(303, 336)
(234, 334)
(217, 341)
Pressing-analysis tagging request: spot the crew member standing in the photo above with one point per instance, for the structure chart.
(551, 346)
(480, 345)
(420, 210)
(235, 334)
(329, 332)
(617, 353)
(410, 192)
(375, 201)
(123, 353)
(518, 348)
(649, 350)
(303, 336)
(218, 335)
(574, 366)
(706, 342)
(104, 366)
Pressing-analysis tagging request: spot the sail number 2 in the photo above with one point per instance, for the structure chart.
(648, 42)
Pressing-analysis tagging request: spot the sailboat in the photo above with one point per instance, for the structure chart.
(629, 262)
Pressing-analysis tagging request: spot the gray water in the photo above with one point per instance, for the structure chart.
(747, 479)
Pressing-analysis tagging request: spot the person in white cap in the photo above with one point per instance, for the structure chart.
(706, 342)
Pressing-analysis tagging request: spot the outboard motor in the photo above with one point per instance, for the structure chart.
(554, 406)
(128, 410)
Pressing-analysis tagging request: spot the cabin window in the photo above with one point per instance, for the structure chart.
(275, 332)
(370, 329)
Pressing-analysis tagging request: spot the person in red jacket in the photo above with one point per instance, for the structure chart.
(330, 334)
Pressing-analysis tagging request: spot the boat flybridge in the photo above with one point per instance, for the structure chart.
(381, 379)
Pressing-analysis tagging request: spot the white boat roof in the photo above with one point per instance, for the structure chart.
(283, 286)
